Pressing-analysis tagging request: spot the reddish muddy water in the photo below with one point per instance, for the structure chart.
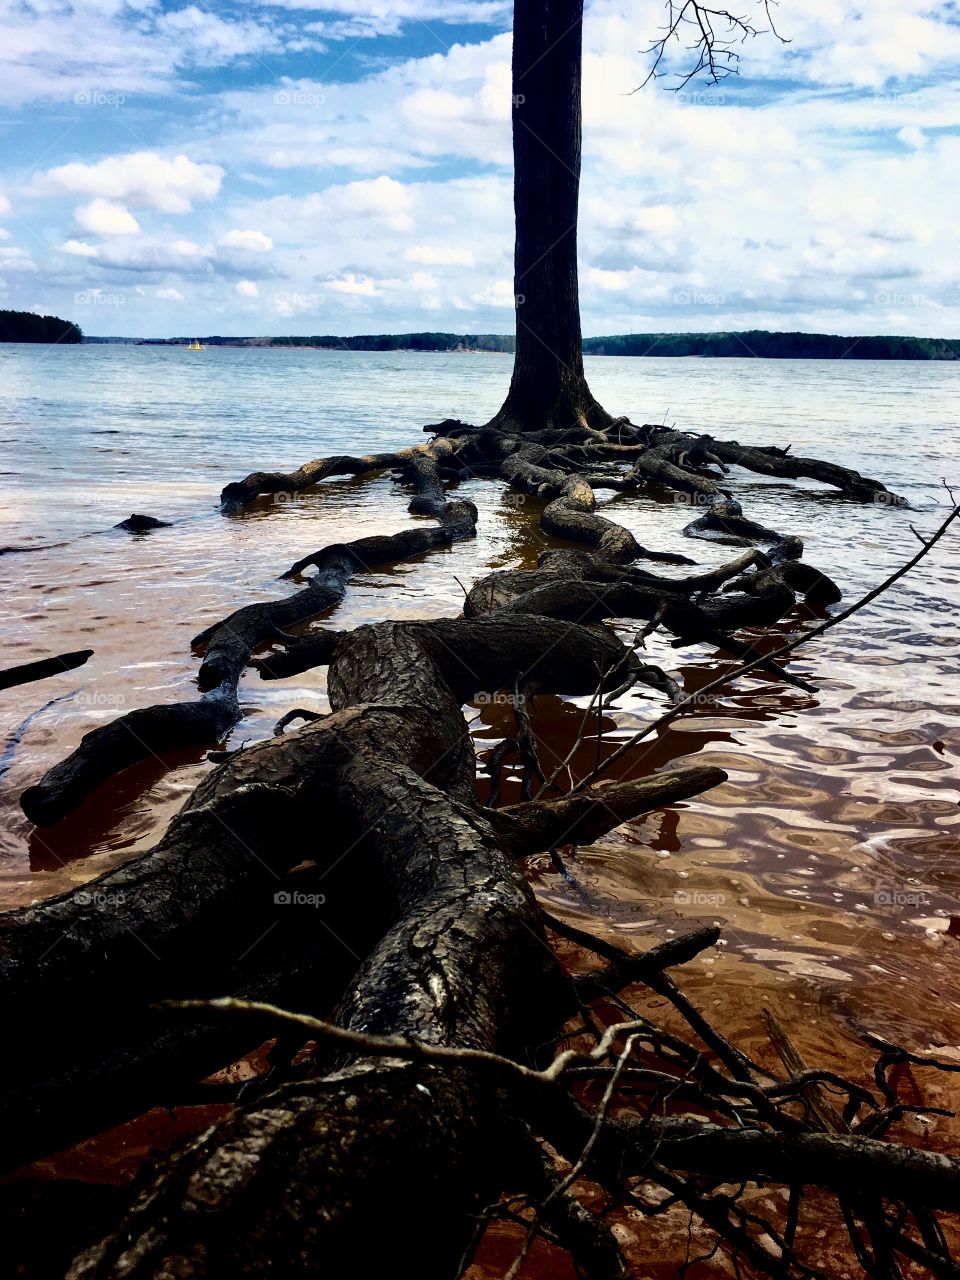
(830, 857)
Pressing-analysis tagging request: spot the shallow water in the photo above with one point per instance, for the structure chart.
(830, 856)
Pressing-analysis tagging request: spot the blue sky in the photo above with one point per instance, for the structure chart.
(172, 168)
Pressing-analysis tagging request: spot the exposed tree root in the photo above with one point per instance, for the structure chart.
(679, 459)
(417, 459)
(151, 731)
(418, 1107)
(230, 643)
(137, 735)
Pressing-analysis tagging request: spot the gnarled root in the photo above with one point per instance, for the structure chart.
(241, 493)
(459, 986)
(396, 729)
(150, 731)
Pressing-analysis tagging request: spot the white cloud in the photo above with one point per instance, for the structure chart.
(141, 178)
(436, 255)
(97, 54)
(498, 294)
(190, 249)
(383, 199)
(13, 258)
(360, 286)
(252, 241)
(79, 249)
(247, 289)
(208, 40)
(396, 11)
(169, 295)
(105, 218)
(147, 254)
(613, 280)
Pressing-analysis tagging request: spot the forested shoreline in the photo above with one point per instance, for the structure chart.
(26, 326)
(758, 343)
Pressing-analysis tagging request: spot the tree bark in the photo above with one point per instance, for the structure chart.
(548, 388)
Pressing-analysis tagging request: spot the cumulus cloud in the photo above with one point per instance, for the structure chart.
(106, 218)
(112, 51)
(79, 248)
(13, 258)
(142, 178)
(358, 285)
(252, 241)
(816, 190)
(438, 255)
(209, 40)
(169, 295)
(390, 11)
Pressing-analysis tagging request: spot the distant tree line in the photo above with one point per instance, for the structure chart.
(753, 342)
(24, 326)
(774, 346)
(407, 342)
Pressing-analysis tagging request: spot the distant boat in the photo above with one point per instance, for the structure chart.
(196, 345)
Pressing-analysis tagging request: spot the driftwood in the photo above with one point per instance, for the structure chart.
(425, 1097)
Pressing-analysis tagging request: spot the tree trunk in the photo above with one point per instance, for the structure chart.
(548, 388)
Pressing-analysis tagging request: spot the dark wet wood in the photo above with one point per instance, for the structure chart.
(43, 668)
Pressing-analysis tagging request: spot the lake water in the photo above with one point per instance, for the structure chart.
(831, 856)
